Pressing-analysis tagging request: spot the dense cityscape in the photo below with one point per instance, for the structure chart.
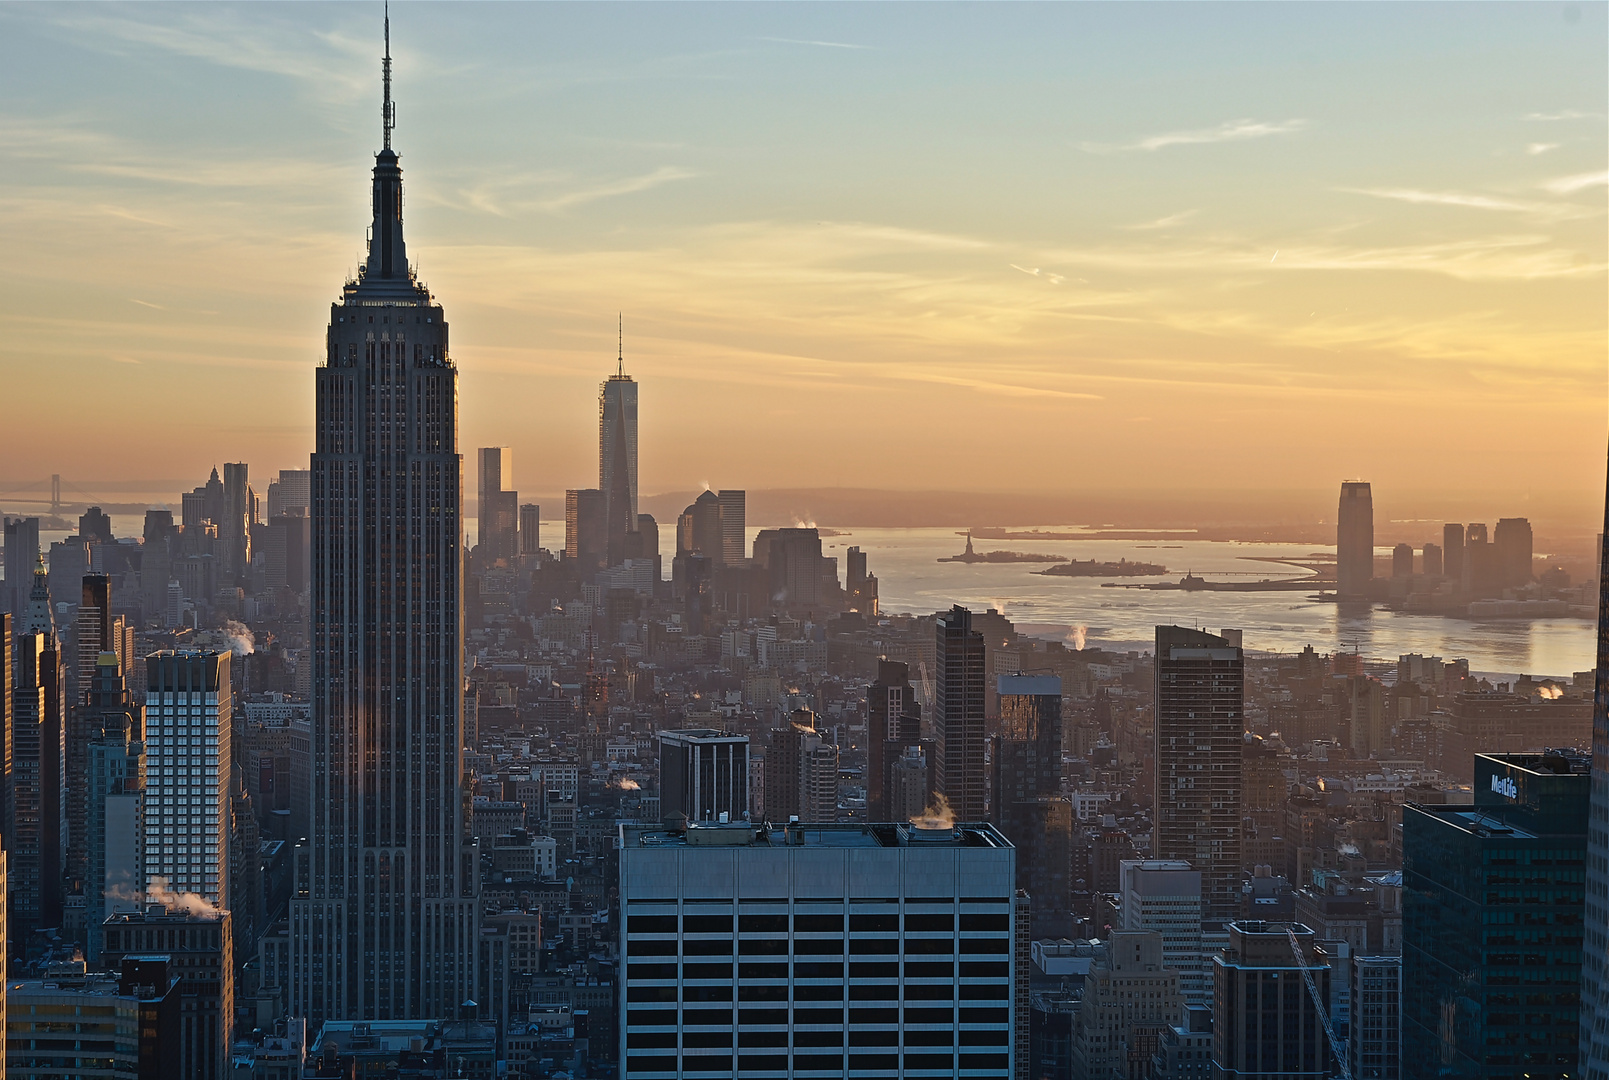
(323, 776)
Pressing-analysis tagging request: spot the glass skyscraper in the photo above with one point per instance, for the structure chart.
(1492, 923)
(1595, 953)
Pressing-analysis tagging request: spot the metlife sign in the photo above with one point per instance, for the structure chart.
(1505, 786)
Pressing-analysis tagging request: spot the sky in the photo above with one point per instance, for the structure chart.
(1053, 248)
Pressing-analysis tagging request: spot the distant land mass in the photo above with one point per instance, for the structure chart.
(970, 556)
(1092, 568)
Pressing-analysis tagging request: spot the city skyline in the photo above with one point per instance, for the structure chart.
(760, 248)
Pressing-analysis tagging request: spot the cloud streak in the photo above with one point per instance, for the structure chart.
(818, 44)
(1568, 185)
(1228, 131)
(665, 174)
(1467, 201)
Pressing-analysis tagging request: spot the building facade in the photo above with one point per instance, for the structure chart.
(958, 716)
(1492, 923)
(1164, 895)
(189, 719)
(1200, 735)
(1266, 1022)
(704, 775)
(1354, 541)
(826, 951)
(385, 909)
(1594, 1040)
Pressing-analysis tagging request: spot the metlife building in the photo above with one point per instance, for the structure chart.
(1493, 899)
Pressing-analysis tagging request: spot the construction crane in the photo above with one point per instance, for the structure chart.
(1337, 1050)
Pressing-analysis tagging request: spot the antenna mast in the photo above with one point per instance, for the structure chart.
(388, 109)
(620, 329)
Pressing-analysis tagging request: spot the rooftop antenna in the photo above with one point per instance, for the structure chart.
(620, 329)
(388, 109)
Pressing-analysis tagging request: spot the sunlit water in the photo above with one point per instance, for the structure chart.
(911, 579)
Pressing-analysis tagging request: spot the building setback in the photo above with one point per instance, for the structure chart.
(857, 950)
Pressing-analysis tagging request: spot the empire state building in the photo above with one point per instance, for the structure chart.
(385, 912)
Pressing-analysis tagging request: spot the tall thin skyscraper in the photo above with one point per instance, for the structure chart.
(617, 449)
(36, 749)
(734, 524)
(22, 551)
(189, 716)
(958, 715)
(1200, 730)
(496, 505)
(1594, 1050)
(1354, 540)
(234, 531)
(1452, 550)
(384, 922)
(114, 793)
(893, 723)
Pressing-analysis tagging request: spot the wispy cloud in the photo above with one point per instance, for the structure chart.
(1566, 185)
(1563, 114)
(1054, 279)
(663, 175)
(1469, 201)
(1540, 147)
(1228, 131)
(147, 303)
(1163, 222)
(820, 44)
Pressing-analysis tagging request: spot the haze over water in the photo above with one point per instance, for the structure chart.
(911, 579)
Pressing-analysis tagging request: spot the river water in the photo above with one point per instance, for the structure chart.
(911, 579)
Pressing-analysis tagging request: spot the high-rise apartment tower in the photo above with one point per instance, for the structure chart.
(1200, 730)
(958, 714)
(385, 913)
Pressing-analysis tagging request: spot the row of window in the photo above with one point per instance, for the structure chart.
(707, 1040)
(881, 922)
(755, 1065)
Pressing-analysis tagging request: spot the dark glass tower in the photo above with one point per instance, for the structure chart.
(958, 715)
(1594, 1061)
(383, 922)
(1354, 540)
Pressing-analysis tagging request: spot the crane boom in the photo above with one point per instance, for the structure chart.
(1336, 1049)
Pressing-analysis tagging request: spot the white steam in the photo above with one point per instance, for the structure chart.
(241, 640)
(188, 903)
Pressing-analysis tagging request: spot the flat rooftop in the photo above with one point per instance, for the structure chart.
(745, 834)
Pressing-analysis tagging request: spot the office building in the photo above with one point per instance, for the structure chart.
(234, 527)
(1184, 1051)
(114, 789)
(199, 948)
(1452, 550)
(698, 529)
(958, 728)
(586, 522)
(22, 552)
(910, 782)
(94, 626)
(290, 494)
(1402, 561)
(530, 529)
(1354, 541)
(1130, 998)
(1266, 1022)
(860, 585)
(1512, 546)
(1492, 922)
(121, 1029)
(189, 725)
(1024, 789)
(1164, 895)
(1375, 1019)
(1200, 735)
(858, 951)
(794, 569)
(1430, 559)
(799, 774)
(893, 723)
(36, 812)
(704, 775)
(384, 916)
(733, 505)
(617, 454)
(496, 506)
(1594, 1039)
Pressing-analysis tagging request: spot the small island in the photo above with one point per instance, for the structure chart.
(970, 556)
(1091, 568)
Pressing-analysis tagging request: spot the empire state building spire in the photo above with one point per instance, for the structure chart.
(384, 922)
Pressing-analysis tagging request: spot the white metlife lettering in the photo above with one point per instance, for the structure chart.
(1505, 786)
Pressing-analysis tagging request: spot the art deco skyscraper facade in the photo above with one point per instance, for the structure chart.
(384, 917)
